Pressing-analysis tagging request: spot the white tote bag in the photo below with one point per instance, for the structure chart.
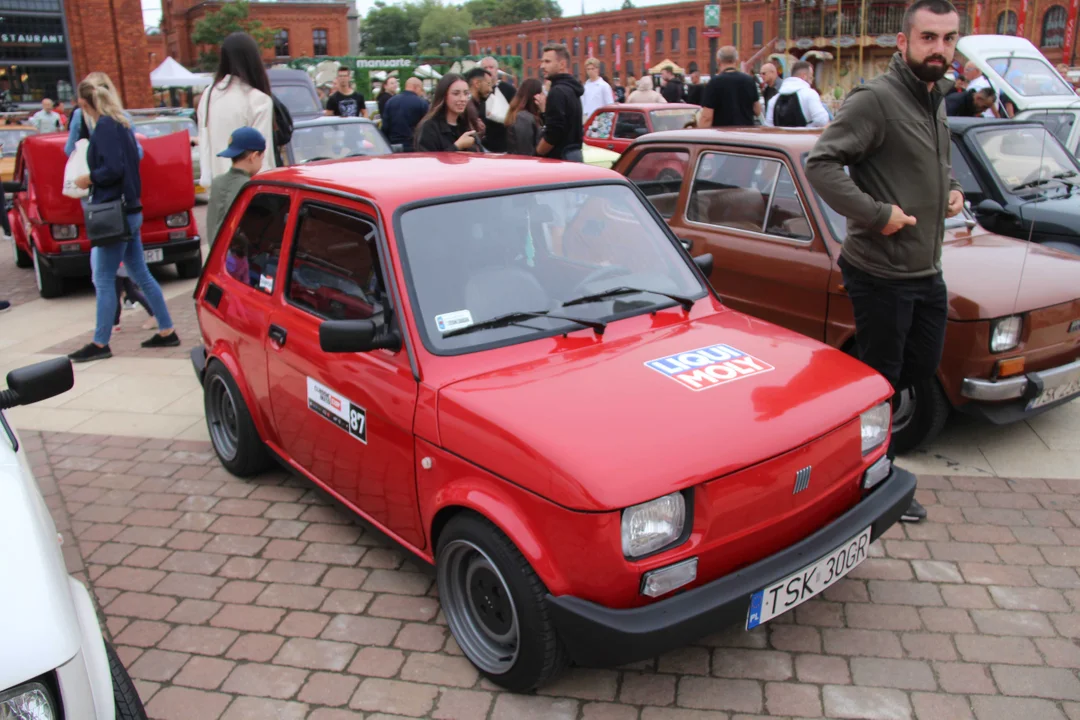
(76, 166)
(496, 106)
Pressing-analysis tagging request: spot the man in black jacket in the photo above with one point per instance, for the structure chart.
(672, 89)
(403, 113)
(563, 131)
(494, 109)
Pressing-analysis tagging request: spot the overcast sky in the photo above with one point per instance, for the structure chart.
(152, 8)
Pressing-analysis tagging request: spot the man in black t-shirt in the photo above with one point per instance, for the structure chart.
(731, 97)
(970, 103)
(346, 101)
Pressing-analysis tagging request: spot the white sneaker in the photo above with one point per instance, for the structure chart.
(128, 305)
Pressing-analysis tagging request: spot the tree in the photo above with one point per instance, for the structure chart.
(442, 25)
(388, 27)
(628, 5)
(216, 26)
(488, 13)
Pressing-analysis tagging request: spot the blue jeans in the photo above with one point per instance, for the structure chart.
(104, 262)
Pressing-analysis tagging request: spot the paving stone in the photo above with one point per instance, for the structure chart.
(205, 673)
(965, 678)
(901, 674)
(712, 694)
(862, 703)
(1052, 683)
(332, 689)
(400, 698)
(272, 681)
(752, 664)
(177, 703)
(647, 689)
(315, 654)
(1005, 708)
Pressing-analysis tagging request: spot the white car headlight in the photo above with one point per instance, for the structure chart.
(176, 220)
(27, 702)
(1005, 333)
(652, 526)
(875, 424)
(65, 232)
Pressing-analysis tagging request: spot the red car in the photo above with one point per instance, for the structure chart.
(614, 127)
(536, 390)
(48, 226)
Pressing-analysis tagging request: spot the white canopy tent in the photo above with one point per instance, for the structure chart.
(171, 74)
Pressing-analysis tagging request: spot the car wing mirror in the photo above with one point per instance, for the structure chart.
(705, 263)
(14, 186)
(344, 336)
(37, 382)
(991, 207)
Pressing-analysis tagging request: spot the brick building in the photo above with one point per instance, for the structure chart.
(303, 28)
(1044, 24)
(47, 46)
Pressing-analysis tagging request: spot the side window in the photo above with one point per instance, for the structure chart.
(600, 127)
(659, 174)
(786, 216)
(732, 190)
(964, 175)
(335, 266)
(255, 247)
(631, 125)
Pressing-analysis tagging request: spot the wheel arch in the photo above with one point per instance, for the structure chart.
(222, 353)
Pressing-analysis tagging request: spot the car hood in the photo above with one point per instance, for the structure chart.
(1054, 212)
(988, 275)
(37, 615)
(598, 428)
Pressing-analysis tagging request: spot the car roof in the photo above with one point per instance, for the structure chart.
(795, 140)
(287, 74)
(330, 120)
(648, 107)
(395, 180)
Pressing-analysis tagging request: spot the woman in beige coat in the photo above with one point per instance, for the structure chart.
(645, 92)
(240, 97)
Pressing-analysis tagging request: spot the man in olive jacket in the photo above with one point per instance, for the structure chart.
(892, 136)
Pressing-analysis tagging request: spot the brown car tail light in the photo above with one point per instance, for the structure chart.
(1009, 367)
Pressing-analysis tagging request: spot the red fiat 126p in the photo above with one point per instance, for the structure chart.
(512, 368)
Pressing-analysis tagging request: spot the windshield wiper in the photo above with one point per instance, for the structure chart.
(1063, 175)
(1033, 183)
(515, 318)
(686, 302)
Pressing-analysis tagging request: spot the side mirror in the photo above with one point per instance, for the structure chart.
(705, 262)
(990, 207)
(342, 336)
(14, 186)
(37, 382)
(397, 148)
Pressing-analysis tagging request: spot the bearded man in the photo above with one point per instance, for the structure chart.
(892, 135)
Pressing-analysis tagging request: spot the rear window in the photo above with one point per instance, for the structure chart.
(1030, 77)
(298, 99)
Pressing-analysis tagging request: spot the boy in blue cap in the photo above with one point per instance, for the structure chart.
(246, 149)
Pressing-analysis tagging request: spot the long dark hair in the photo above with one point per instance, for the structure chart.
(525, 99)
(242, 59)
(438, 105)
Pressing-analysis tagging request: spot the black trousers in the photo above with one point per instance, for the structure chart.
(899, 324)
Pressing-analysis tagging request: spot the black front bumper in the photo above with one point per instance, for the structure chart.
(78, 264)
(597, 636)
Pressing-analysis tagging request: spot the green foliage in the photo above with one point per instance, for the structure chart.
(628, 5)
(217, 25)
(442, 25)
(488, 13)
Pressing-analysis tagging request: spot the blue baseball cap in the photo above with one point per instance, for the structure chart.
(243, 140)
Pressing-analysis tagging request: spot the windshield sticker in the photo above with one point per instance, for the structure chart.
(453, 320)
(709, 367)
(344, 413)
(266, 282)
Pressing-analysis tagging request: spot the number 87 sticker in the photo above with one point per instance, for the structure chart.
(358, 422)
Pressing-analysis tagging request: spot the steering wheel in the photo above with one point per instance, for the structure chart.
(599, 274)
(1036, 175)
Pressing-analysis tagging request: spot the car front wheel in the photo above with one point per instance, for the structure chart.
(232, 431)
(494, 604)
(50, 285)
(919, 414)
(125, 696)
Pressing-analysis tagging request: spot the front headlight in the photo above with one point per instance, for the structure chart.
(875, 424)
(652, 526)
(175, 220)
(65, 232)
(1005, 333)
(31, 701)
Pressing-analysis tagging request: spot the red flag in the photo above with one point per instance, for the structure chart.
(978, 19)
(648, 52)
(1021, 18)
(1070, 31)
(590, 49)
(618, 54)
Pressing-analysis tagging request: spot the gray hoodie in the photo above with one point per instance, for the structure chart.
(893, 136)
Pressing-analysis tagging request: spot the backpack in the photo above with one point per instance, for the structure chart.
(788, 111)
(283, 123)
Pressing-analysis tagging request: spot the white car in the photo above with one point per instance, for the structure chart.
(54, 662)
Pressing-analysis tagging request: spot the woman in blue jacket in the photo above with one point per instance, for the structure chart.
(113, 158)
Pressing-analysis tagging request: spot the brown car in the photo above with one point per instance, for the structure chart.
(1012, 347)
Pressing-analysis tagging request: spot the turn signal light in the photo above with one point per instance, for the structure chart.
(1010, 367)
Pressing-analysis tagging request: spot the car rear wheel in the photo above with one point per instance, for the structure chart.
(49, 284)
(919, 414)
(125, 697)
(188, 269)
(232, 431)
(494, 604)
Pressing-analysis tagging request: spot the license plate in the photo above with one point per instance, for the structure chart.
(155, 255)
(1054, 394)
(813, 579)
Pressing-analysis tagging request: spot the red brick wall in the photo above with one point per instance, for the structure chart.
(108, 36)
(1033, 24)
(156, 49)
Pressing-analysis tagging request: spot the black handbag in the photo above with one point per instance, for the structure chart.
(107, 223)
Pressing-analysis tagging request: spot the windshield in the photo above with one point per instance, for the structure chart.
(158, 128)
(1030, 77)
(671, 119)
(1025, 156)
(337, 140)
(11, 139)
(470, 261)
(298, 99)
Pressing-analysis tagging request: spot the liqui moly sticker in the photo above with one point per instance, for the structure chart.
(338, 409)
(709, 366)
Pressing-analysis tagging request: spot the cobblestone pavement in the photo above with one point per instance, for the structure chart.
(263, 599)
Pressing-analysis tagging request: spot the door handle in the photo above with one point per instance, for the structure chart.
(277, 334)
